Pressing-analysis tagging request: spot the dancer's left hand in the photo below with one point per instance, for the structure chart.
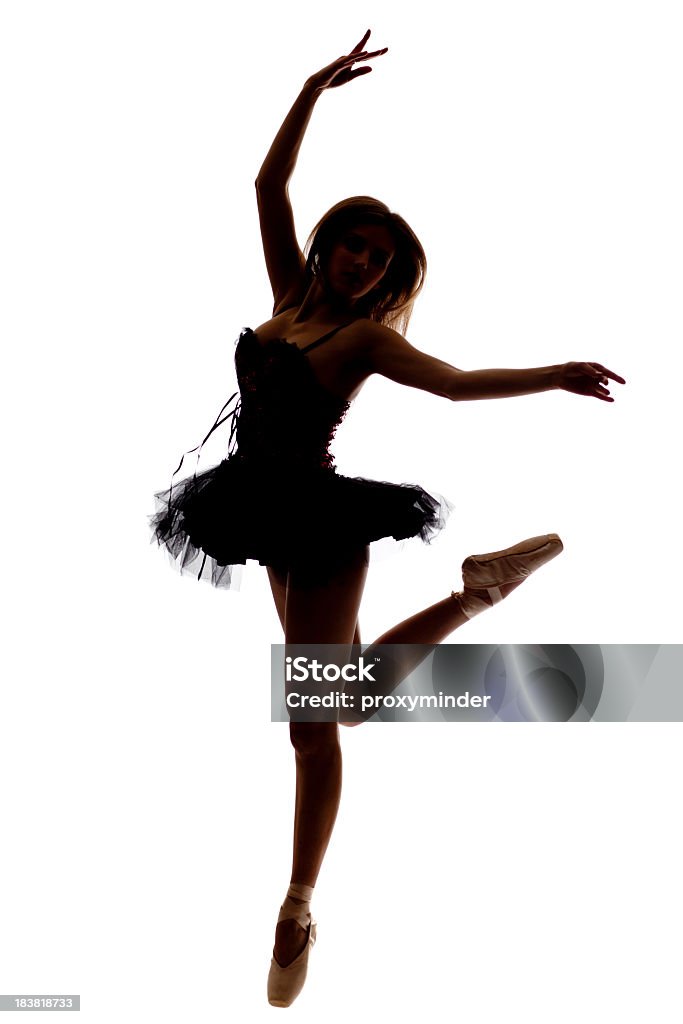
(341, 70)
(587, 379)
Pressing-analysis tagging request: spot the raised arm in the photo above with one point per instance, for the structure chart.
(284, 259)
(389, 354)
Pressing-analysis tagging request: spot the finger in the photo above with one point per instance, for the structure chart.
(374, 53)
(350, 58)
(591, 378)
(612, 375)
(596, 372)
(609, 373)
(361, 44)
(356, 58)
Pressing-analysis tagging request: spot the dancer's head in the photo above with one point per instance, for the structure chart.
(363, 236)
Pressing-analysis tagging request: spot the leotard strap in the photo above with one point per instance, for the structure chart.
(325, 337)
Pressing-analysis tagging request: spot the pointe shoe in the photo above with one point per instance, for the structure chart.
(497, 568)
(285, 983)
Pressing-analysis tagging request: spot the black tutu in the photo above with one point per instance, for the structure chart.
(277, 497)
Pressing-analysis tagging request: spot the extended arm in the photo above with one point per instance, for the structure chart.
(389, 354)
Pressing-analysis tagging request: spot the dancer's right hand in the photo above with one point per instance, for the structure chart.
(341, 70)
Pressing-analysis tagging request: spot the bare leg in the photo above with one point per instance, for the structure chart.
(326, 615)
(417, 636)
(427, 628)
(430, 626)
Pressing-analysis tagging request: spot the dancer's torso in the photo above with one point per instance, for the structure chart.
(289, 413)
(338, 364)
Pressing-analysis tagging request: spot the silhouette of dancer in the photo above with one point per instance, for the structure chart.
(339, 315)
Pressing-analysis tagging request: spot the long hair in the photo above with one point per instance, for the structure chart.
(391, 301)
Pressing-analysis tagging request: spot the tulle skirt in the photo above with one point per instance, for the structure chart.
(298, 519)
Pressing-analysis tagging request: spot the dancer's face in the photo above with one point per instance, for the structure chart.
(359, 260)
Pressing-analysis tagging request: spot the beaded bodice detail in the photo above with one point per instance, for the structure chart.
(285, 416)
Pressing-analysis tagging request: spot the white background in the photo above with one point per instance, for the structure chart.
(477, 873)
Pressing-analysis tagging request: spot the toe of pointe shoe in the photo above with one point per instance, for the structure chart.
(285, 983)
(511, 564)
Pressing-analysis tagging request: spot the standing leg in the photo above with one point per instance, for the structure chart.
(278, 586)
(326, 615)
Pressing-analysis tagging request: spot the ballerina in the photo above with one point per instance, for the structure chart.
(340, 314)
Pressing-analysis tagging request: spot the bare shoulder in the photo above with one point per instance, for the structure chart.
(374, 332)
(377, 344)
(352, 349)
(386, 352)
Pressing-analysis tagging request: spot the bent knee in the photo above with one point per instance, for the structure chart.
(314, 737)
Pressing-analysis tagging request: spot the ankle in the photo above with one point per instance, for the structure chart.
(296, 905)
(300, 892)
(471, 602)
